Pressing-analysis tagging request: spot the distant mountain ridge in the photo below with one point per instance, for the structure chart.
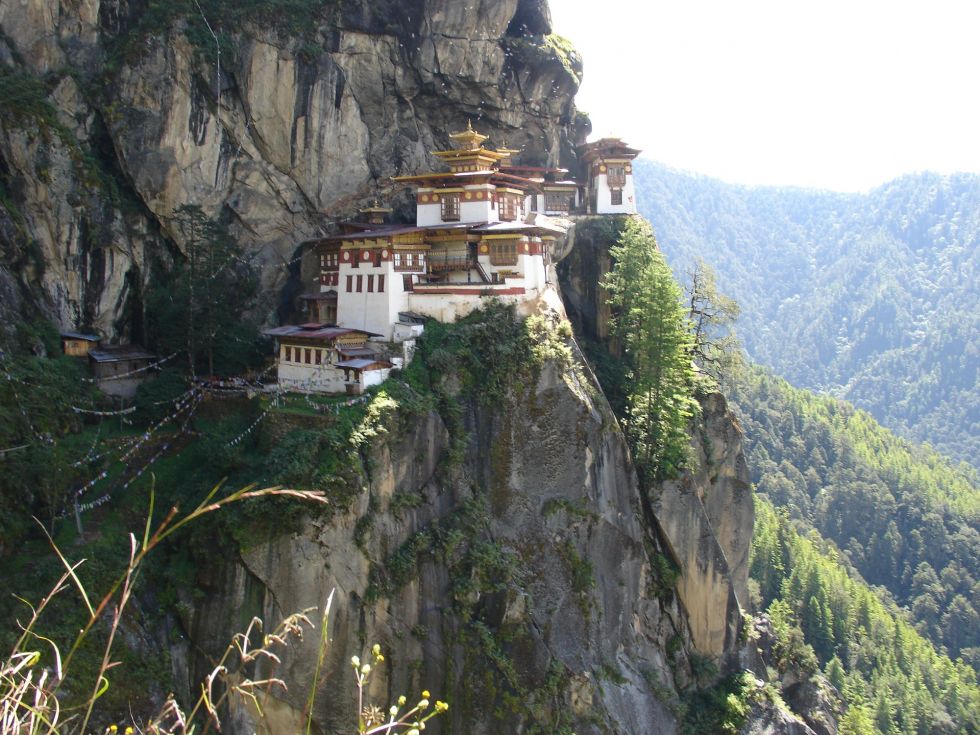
(872, 297)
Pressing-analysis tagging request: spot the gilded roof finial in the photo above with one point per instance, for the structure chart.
(468, 139)
(507, 152)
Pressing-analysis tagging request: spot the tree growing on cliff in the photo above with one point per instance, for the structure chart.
(715, 348)
(652, 328)
(203, 311)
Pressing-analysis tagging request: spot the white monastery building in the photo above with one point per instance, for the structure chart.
(610, 176)
(478, 233)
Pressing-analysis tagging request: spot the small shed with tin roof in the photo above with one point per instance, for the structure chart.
(78, 344)
(119, 369)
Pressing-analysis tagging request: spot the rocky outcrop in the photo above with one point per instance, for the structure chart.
(542, 610)
(767, 718)
(585, 262)
(281, 129)
(706, 517)
(818, 703)
(809, 695)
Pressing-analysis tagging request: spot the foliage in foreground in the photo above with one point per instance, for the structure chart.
(893, 679)
(38, 682)
(312, 443)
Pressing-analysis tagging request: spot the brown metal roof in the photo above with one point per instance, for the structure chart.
(357, 352)
(454, 226)
(377, 231)
(504, 227)
(538, 169)
(496, 177)
(606, 147)
(330, 295)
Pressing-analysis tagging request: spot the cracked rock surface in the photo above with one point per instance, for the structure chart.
(287, 131)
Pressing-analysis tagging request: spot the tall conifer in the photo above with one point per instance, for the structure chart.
(653, 332)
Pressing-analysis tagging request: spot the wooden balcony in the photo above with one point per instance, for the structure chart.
(454, 263)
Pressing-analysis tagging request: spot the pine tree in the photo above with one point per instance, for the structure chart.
(651, 327)
(715, 348)
(203, 312)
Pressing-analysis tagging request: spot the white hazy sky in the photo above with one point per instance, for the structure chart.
(836, 94)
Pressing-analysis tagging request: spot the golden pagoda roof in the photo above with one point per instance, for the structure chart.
(477, 156)
(468, 139)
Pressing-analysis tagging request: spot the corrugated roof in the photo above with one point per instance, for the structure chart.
(378, 231)
(542, 169)
(454, 226)
(357, 352)
(81, 336)
(495, 176)
(116, 353)
(361, 364)
(322, 296)
(606, 146)
(505, 227)
(313, 330)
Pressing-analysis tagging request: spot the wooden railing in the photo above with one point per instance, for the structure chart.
(454, 263)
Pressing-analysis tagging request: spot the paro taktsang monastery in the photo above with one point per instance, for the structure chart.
(484, 228)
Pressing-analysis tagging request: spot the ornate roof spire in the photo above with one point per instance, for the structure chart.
(468, 139)
(506, 152)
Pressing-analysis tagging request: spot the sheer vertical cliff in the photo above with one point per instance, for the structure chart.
(115, 113)
(705, 517)
(506, 559)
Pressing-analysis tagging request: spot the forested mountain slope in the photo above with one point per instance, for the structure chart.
(892, 679)
(900, 514)
(870, 296)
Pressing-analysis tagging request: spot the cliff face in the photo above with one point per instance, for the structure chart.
(705, 517)
(549, 607)
(506, 558)
(115, 113)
